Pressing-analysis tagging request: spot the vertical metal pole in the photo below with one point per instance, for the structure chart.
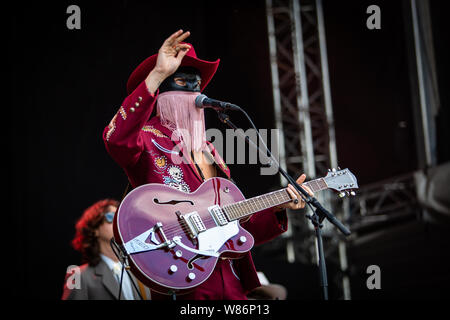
(331, 132)
(278, 114)
(429, 158)
(307, 145)
(326, 84)
(302, 91)
(276, 86)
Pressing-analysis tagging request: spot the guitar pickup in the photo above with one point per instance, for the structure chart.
(218, 215)
(193, 222)
(196, 222)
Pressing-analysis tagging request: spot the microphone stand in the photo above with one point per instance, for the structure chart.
(320, 213)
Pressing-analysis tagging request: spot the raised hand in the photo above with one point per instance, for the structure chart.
(171, 53)
(169, 59)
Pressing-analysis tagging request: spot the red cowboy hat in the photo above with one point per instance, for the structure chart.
(207, 69)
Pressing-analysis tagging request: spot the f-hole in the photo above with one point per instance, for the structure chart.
(193, 259)
(172, 202)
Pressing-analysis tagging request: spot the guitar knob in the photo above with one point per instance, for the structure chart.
(191, 276)
(173, 268)
(242, 240)
(178, 254)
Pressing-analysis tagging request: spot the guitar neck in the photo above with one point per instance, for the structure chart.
(241, 209)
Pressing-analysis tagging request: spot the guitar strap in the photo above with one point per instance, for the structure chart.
(217, 168)
(142, 290)
(125, 192)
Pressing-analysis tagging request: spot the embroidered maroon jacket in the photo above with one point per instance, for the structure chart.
(145, 150)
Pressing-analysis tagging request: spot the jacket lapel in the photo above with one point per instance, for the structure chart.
(108, 280)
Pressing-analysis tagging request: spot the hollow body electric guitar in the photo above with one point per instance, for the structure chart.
(172, 239)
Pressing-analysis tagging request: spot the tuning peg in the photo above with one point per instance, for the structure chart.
(353, 193)
(329, 170)
(334, 170)
(339, 168)
(342, 194)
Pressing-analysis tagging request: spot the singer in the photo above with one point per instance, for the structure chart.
(147, 146)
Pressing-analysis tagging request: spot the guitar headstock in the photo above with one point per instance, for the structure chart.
(342, 181)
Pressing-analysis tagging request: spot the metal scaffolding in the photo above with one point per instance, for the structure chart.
(304, 113)
(304, 117)
(383, 203)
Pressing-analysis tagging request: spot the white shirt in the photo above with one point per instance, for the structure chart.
(116, 268)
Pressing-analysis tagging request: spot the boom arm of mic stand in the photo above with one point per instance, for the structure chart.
(320, 210)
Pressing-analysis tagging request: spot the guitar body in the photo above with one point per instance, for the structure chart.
(152, 214)
(173, 239)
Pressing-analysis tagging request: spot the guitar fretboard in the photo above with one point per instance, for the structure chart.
(241, 209)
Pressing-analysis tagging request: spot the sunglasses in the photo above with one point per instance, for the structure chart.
(109, 216)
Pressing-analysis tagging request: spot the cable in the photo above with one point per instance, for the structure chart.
(121, 257)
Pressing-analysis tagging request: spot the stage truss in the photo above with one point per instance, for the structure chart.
(304, 117)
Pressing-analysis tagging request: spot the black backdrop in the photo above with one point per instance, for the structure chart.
(67, 84)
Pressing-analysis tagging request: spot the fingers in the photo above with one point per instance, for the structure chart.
(183, 37)
(294, 191)
(291, 193)
(301, 179)
(182, 53)
(308, 190)
(183, 46)
(298, 202)
(181, 50)
(176, 38)
(170, 40)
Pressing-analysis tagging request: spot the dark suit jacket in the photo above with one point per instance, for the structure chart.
(96, 283)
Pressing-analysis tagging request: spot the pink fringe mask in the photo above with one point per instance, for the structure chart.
(178, 112)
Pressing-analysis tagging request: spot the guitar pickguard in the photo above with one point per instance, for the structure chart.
(213, 239)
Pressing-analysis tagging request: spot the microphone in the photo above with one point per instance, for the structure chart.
(203, 101)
